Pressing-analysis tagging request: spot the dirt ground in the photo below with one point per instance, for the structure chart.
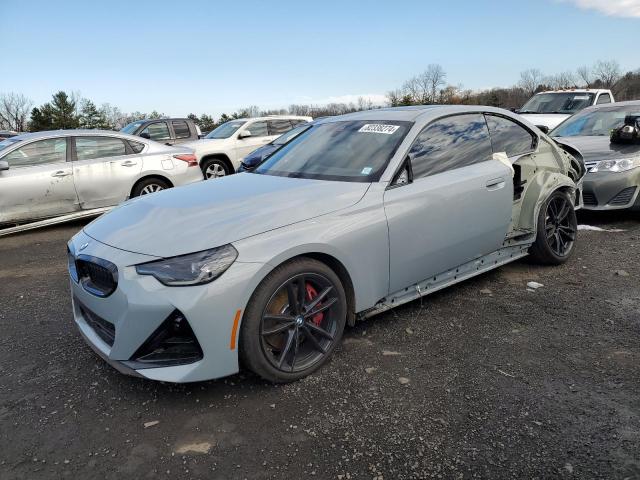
(482, 380)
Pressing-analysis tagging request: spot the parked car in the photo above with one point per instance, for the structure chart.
(82, 172)
(613, 178)
(170, 131)
(7, 134)
(256, 157)
(356, 215)
(221, 151)
(548, 109)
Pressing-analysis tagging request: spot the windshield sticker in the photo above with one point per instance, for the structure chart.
(378, 128)
(581, 97)
(366, 170)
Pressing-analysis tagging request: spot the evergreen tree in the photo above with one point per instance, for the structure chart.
(63, 111)
(91, 117)
(41, 118)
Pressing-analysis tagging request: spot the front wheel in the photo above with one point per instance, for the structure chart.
(557, 230)
(294, 321)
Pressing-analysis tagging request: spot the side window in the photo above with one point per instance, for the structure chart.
(507, 136)
(604, 98)
(88, 148)
(52, 150)
(157, 131)
(451, 143)
(137, 147)
(181, 129)
(258, 129)
(278, 127)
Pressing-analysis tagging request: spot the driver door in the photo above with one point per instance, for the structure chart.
(39, 182)
(457, 206)
(259, 136)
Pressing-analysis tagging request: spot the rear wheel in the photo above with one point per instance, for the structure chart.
(214, 168)
(294, 321)
(149, 185)
(557, 230)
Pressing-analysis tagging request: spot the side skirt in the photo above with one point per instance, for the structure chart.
(55, 220)
(504, 255)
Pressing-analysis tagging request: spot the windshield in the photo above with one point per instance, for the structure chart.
(350, 151)
(131, 128)
(7, 142)
(565, 102)
(597, 123)
(291, 134)
(226, 129)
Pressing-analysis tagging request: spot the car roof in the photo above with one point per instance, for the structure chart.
(273, 117)
(419, 114)
(614, 106)
(577, 90)
(72, 133)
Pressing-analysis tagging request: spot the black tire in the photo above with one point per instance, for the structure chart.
(213, 168)
(149, 185)
(557, 230)
(287, 349)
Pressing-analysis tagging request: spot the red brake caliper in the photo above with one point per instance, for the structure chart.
(311, 294)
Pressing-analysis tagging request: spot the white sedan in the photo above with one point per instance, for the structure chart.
(72, 173)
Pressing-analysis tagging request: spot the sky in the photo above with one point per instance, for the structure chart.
(179, 57)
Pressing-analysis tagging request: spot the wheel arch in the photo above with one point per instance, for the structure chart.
(331, 259)
(147, 177)
(545, 184)
(219, 156)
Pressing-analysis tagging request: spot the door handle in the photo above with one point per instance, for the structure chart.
(495, 184)
(61, 173)
(128, 163)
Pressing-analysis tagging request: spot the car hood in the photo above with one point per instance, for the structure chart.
(216, 212)
(207, 143)
(550, 120)
(598, 148)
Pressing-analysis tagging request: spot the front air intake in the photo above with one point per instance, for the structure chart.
(173, 343)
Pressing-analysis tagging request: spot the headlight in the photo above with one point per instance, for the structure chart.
(621, 165)
(192, 269)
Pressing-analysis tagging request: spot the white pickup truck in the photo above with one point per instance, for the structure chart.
(549, 109)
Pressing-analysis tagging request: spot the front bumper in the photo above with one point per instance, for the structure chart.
(612, 190)
(140, 304)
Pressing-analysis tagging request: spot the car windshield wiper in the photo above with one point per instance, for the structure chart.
(527, 111)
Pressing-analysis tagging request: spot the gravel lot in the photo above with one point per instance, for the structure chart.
(485, 379)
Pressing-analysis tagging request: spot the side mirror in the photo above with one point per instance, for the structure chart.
(4, 165)
(405, 174)
(543, 128)
(244, 134)
(145, 135)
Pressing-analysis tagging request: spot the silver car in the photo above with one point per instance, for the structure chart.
(72, 173)
(358, 214)
(613, 181)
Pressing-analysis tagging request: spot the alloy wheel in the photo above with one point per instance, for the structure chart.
(300, 322)
(215, 170)
(559, 229)
(151, 188)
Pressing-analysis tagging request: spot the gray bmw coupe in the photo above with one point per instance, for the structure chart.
(356, 215)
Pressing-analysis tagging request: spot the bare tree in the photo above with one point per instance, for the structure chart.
(561, 80)
(530, 80)
(14, 111)
(434, 78)
(584, 73)
(607, 71)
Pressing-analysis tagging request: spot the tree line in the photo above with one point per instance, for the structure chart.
(431, 87)
(71, 110)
